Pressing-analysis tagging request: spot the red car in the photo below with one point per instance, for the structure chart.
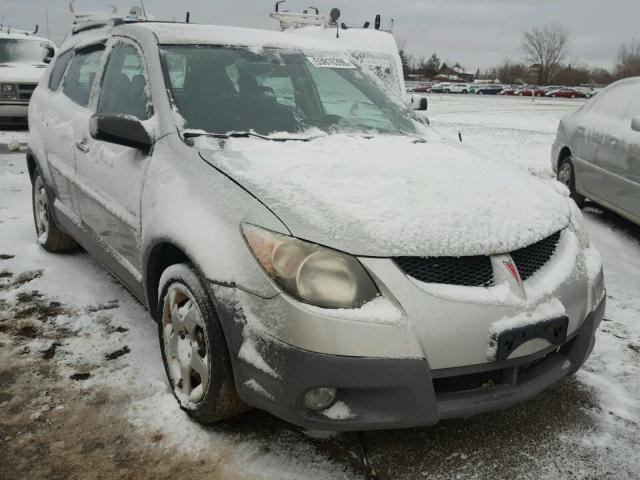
(425, 88)
(528, 91)
(566, 93)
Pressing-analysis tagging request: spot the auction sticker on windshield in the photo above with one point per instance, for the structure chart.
(330, 62)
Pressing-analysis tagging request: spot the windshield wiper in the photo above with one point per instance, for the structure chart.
(191, 134)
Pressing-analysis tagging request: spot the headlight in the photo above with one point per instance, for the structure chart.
(8, 90)
(577, 225)
(312, 273)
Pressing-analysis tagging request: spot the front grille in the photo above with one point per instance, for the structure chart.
(472, 381)
(530, 259)
(475, 271)
(25, 90)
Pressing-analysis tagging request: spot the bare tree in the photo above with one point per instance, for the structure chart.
(628, 60)
(545, 47)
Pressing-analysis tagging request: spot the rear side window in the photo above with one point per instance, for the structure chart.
(59, 67)
(124, 87)
(82, 73)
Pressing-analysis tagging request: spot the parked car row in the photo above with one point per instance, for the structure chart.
(552, 91)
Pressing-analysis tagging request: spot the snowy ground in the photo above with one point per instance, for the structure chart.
(83, 393)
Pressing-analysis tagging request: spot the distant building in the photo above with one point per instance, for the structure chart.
(452, 74)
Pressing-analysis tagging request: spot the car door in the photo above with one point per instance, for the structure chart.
(614, 134)
(622, 157)
(111, 176)
(62, 114)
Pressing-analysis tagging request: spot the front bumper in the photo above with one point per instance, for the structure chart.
(392, 393)
(14, 113)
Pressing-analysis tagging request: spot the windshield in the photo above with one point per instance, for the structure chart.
(222, 90)
(13, 50)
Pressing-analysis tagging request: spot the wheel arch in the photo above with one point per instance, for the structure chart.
(32, 164)
(160, 256)
(565, 152)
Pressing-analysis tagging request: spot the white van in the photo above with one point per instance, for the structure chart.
(373, 48)
(23, 61)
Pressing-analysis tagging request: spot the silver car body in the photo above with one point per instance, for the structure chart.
(137, 213)
(605, 148)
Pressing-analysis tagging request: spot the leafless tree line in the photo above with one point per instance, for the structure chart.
(544, 62)
(545, 50)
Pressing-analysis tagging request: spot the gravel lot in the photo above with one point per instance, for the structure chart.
(83, 393)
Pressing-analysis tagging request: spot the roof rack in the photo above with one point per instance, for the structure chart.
(97, 19)
(10, 29)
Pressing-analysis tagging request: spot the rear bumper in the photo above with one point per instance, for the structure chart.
(381, 393)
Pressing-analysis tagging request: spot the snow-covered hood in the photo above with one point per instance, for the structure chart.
(21, 72)
(390, 196)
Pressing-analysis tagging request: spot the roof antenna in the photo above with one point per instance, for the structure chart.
(377, 24)
(278, 5)
(334, 15)
(188, 17)
(144, 12)
(366, 24)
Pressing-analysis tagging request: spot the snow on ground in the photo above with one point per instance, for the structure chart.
(514, 130)
(83, 393)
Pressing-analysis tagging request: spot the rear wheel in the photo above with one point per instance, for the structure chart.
(48, 233)
(566, 175)
(194, 349)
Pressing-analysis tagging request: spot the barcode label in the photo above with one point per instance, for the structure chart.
(330, 62)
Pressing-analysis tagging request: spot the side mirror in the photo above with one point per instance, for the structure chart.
(635, 123)
(121, 130)
(50, 53)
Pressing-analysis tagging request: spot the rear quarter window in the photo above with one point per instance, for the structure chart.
(59, 67)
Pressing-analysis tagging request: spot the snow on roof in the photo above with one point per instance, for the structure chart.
(352, 39)
(181, 33)
(19, 35)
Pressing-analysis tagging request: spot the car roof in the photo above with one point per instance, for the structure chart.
(22, 36)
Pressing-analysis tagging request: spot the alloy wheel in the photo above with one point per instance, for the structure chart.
(41, 210)
(565, 174)
(185, 344)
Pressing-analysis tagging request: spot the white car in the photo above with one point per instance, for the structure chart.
(23, 60)
(458, 88)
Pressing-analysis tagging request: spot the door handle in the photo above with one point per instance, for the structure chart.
(82, 146)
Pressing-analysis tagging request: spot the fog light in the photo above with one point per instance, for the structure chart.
(320, 398)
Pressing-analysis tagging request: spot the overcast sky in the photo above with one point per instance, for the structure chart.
(477, 33)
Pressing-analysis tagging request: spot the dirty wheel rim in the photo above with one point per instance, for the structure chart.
(564, 174)
(41, 210)
(185, 345)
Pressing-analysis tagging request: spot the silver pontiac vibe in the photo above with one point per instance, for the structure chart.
(304, 242)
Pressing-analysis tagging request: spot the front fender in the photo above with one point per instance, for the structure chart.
(191, 205)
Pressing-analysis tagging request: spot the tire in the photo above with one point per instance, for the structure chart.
(554, 95)
(464, 91)
(447, 91)
(520, 94)
(480, 92)
(193, 346)
(566, 175)
(49, 236)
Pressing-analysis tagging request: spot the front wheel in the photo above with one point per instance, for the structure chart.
(566, 175)
(49, 235)
(194, 349)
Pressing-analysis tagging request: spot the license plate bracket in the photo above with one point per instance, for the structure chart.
(553, 330)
